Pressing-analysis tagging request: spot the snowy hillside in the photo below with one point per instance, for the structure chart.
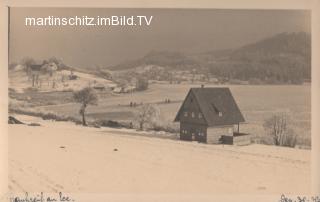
(61, 80)
(114, 161)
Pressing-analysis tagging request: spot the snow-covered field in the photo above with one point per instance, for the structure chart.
(19, 81)
(60, 156)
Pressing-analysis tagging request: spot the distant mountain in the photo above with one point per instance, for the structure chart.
(283, 58)
(284, 44)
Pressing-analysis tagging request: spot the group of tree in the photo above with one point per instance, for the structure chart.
(28, 61)
(271, 72)
(283, 58)
(146, 113)
(278, 126)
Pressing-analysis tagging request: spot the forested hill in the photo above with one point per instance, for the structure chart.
(283, 58)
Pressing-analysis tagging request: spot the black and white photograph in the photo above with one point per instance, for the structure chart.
(180, 101)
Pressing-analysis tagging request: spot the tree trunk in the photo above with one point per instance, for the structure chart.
(82, 112)
(141, 125)
(84, 123)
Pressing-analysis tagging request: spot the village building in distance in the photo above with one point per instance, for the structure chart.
(211, 115)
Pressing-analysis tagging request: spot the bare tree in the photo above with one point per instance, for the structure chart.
(59, 63)
(86, 97)
(193, 75)
(147, 113)
(27, 62)
(141, 84)
(278, 127)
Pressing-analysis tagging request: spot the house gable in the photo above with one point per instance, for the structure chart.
(190, 111)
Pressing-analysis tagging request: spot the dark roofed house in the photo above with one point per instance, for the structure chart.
(211, 115)
(35, 67)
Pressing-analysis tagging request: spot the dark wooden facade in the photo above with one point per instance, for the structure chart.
(192, 123)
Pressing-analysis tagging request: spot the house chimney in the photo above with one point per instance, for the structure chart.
(202, 85)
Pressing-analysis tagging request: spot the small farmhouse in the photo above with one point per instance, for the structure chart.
(35, 69)
(211, 115)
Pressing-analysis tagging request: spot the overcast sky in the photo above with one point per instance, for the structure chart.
(185, 30)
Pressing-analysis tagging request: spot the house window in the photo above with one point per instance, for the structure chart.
(185, 114)
(200, 115)
(192, 114)
(217, 110)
